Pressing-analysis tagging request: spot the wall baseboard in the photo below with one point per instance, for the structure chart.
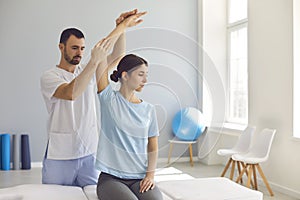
(176, 159)
(36, 164)
(279, 188)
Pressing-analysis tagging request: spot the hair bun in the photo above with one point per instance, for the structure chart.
(114, 76)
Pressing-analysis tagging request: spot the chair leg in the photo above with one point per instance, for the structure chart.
(254, 177)
(170, 152)
(232, 169)
(241, 174)
(264, 179)
(226, 167)
(249, 175)
(246, 174)
(239, 169)
(191, 155)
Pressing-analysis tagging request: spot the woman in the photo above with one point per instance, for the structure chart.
(128, 142)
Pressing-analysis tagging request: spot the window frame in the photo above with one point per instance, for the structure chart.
(231, 27)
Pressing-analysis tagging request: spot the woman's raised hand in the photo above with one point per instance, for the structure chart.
(125, 15)
(131, 18)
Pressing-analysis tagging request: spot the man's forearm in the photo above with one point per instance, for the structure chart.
(80, 83)
(70, 91)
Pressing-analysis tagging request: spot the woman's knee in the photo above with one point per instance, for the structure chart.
(114, 190)
(153, 194)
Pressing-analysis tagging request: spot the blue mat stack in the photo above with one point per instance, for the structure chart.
(14, 151)
(5, 151)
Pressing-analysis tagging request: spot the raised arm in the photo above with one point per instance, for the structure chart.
(70, 91)
(117, 36)
(119, 47)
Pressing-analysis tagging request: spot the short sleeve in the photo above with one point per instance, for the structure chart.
(153, 128)
(106, 94)
(50, 81)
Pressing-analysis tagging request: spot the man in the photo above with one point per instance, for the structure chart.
(69, 92)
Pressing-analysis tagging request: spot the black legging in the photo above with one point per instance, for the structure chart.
(113, 188)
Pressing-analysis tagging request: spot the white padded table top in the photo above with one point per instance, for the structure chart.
(189, 189)
(218, 188)
(51, 192)
(90, 192)
(42, 191)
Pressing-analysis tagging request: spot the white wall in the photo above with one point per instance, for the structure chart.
(29, 34)
(270, 71)
(271, 87)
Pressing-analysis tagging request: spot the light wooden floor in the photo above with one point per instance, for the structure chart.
(13, 177)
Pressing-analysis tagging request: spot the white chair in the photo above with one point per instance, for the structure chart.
(258, 153)
(186, 142)
(242, 146)
(189, 143)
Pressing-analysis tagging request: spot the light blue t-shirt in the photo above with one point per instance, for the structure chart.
(123, 140)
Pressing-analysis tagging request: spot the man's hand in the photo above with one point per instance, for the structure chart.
(101, 49)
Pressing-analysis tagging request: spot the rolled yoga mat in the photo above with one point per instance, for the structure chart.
(16, 151)
(0, 152)
(25, 152)
(5, 151)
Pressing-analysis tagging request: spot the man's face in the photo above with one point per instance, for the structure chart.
(73, 50)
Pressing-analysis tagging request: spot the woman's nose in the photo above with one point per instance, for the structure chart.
(145, 79)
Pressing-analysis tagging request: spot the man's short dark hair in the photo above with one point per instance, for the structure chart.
(68, 32)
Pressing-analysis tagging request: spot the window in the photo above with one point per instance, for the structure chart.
(237, 107)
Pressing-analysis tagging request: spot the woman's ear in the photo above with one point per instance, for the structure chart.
(124, 75)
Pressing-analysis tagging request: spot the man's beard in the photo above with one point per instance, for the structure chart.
(71, 61)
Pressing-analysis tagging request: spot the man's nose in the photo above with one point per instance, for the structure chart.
(80, 51)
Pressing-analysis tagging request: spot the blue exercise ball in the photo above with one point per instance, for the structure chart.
(188, 124)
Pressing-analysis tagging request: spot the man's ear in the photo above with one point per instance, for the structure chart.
(61, 46)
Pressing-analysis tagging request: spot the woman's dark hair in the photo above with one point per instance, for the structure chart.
(126, 64)
(68, 32)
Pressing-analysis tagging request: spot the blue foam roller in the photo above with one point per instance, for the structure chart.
(5, 147)
(25, 152)
(0, 152)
